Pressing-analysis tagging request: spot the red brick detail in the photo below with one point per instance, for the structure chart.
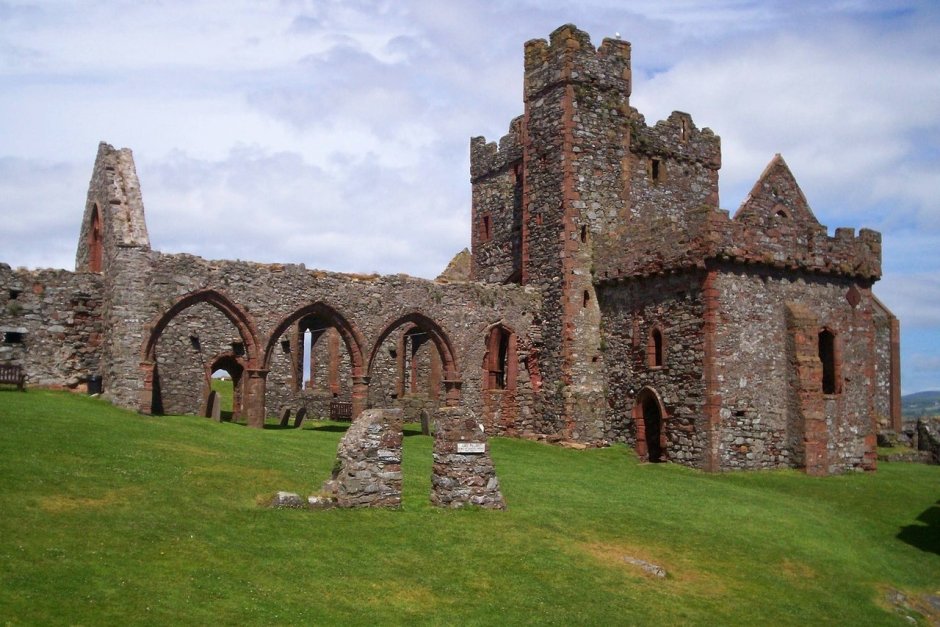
(803, 329)
(709, 371)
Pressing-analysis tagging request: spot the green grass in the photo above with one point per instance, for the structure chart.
(223, 387)
(113, 518)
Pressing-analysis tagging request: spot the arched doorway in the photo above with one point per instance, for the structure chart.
(650, 415)
(231, 367)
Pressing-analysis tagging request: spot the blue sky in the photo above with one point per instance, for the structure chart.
(335, 133)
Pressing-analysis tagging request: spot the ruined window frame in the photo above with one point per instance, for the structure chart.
(656, 348)
(830, 360)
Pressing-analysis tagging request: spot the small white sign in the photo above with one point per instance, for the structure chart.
(471, 447)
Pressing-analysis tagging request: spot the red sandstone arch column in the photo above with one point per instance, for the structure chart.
(253, 404)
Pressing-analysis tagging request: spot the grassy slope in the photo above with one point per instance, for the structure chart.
(109, 517)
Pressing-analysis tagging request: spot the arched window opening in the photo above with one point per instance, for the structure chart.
(827, 356)
(94, 242)
(501, 359)
(655, 348)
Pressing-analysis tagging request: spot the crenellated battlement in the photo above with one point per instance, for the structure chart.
(676, 137)
(569, 57)
(487, 158)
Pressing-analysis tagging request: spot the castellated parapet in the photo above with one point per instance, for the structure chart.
(610, 299)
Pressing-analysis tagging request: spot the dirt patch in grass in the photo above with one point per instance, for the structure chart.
(682, 575)
(60, 503)
(797, 572)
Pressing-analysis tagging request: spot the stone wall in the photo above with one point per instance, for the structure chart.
(759, 428)
(673, 306)
(375, 307)
(51, 324)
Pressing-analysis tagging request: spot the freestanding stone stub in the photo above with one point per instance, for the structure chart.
(368, 462)
(463, 472)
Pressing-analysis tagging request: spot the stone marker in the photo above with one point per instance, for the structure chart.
(213, 408)
(285, 417)
(425, 422)
(463, 472)
(288, 499)
(299, 418)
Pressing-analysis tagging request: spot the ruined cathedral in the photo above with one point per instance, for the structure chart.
(607, 298)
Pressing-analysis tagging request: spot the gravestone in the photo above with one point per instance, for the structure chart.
(213, 408)
(463, 472)
(285, 417)
(299, 418)
(425, 422)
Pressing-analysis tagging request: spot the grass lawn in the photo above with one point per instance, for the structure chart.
(113, 518)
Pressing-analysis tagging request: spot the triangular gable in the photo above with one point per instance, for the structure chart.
(776, 199)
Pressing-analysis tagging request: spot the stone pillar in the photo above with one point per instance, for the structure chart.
(254, 396)
(368, 462)
(463, 472)
(360, 396)
(806, 378)
(895, 391)
(145, 395)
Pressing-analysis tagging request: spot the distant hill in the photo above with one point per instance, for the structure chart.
(921, 404)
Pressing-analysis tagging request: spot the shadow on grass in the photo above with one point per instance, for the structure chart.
(925, 537)
(328, 428)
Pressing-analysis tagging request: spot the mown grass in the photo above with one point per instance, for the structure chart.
(113, 518)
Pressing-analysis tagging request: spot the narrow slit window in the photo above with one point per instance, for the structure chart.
(486, 228)
(655, 348)
(583, 234)
(656, 170)
(827, 356)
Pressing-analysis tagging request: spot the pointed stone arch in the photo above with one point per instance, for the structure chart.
(500, 361)
(252, 402)
(441, 342)
(649, 414)
(350, 335)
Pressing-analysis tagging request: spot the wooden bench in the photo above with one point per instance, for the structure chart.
(13, 375)
(340, 410)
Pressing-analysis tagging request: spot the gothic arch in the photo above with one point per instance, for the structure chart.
(350, 334)
(237, 315)
(441, 341)
(649, 414)
(500, 361)
(253, 403)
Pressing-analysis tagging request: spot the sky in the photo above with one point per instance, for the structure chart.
(336, 133)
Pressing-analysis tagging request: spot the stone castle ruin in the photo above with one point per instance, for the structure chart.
(608, 299)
